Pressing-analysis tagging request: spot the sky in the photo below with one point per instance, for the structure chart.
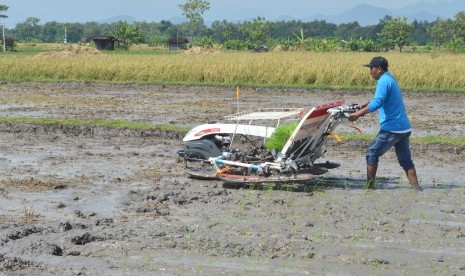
(156, 10)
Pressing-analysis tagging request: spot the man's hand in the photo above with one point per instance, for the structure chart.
(362, 111)
(353, 116)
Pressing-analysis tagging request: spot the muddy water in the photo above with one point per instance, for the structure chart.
(102, 202)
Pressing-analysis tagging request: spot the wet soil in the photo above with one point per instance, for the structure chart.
(96, 201)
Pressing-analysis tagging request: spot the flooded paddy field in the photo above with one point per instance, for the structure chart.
(95, 201)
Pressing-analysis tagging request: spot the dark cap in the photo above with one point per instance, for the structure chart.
(377, 61)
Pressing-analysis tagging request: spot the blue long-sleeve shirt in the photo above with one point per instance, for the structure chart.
(388, 99)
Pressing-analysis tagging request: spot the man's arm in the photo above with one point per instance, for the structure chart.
(363, 105)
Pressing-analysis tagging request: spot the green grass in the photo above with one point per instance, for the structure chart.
(280, 139)
(117, 124)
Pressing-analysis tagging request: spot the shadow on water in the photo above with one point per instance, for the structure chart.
(314, 185)
(341, 182)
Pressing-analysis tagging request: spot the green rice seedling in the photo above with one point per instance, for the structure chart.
(29, 214)
(317, 233)
(317, 189)
(434, 242)
(346, 185)
(147, 259)
(280, 136)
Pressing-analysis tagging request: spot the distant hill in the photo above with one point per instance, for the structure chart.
(285, 18)
(177, 19)
(129, 19)
(113, 19)
(443, 9)
(370, 15)
(364, 14)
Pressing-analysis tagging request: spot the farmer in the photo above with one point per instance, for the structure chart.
(395, 126)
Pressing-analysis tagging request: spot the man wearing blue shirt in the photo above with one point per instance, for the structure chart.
(395, 126)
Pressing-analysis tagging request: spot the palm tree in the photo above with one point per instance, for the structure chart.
(3, 8)
(126, 34)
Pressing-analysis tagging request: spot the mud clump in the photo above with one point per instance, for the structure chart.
(65, 226)
(25, 232)
(85, 239)
(56, 250)
(13, 264)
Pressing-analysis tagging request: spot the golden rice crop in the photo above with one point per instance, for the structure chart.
(305, 69)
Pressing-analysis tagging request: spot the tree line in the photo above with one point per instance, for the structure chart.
(317, 35)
